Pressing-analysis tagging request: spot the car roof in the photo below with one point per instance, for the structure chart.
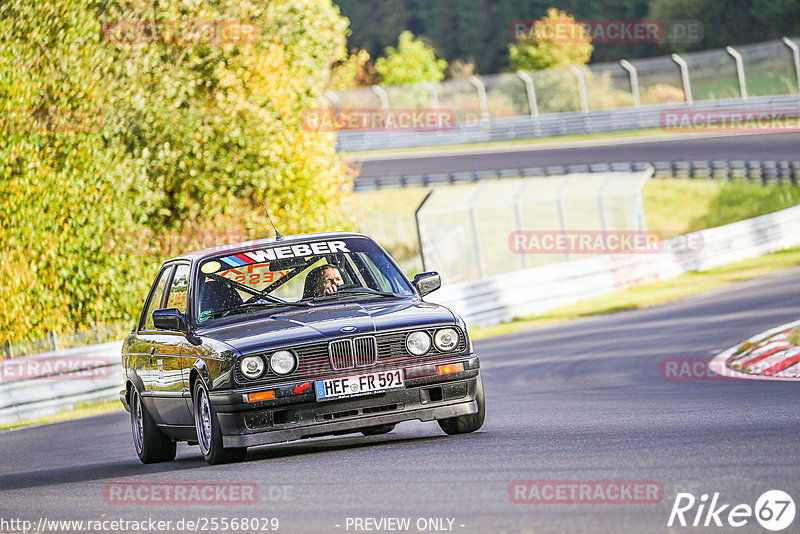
(256, 243)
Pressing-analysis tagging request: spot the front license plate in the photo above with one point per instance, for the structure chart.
(352, 386)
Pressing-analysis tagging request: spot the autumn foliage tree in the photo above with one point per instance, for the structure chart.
(555, 40)
(126, 119)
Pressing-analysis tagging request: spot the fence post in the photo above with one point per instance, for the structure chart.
(796, 54)
(384, 98)
(518, 216)
(687, 85)
(476, 241)
(419, 230)
(601, 204)
(581, 87)
(52, 339)
(434, 101)
(478, 84)
(533, 106)
(334, 99)
(737, 57)
(562, 218)
(627, 65)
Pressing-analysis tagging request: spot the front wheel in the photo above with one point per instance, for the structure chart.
(209, 434)
(151, 444)
(464, 424)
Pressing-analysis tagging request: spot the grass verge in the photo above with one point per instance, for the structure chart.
(651, 293)
(84, 410)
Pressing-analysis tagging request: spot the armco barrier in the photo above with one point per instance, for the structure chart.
(31, 386)
(506, 296)
(764, 172)
(552, 124)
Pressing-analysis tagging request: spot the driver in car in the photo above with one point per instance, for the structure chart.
(330, 281)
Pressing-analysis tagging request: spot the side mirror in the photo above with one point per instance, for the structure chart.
(169, 319)
(427, 282)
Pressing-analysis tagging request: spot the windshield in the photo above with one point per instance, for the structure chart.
(293, 275)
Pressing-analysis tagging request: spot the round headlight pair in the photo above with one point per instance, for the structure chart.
(282, 362)
(418, 343)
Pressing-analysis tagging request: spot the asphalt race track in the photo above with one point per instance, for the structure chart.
(782, 146)
(583, 400)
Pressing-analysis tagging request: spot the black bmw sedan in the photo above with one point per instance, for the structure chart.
(289, 338)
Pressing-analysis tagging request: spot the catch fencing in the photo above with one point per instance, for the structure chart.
(503, 297)
(464, 231)
(627, 95)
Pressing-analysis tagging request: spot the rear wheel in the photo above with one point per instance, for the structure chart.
(378, 429)
(151, 444)
(464, 424)
(209, 434)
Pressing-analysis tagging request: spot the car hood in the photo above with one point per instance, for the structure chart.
(326, 322)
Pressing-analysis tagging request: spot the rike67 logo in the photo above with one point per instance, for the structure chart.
(774, 510)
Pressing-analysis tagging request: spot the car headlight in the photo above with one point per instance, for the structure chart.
(418, 343)
(283, 362)
(445, 339)
(251, 366)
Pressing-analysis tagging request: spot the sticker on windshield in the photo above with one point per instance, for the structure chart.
(203, 316)
(287, 251)
(211, 267)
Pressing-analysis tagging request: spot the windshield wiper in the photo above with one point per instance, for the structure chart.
(358, 291)
(276, 304)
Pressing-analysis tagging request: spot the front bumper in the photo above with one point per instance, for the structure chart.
(288, 419)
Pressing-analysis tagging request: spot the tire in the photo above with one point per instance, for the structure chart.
(209, 434)
(464, 424)
(378, 429)
(152, 446)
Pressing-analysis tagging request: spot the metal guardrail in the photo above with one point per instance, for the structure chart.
(45, 384)
(526, 292)
(551, 124)
(765, 172)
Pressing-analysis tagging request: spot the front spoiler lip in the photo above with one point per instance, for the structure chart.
(322, 429)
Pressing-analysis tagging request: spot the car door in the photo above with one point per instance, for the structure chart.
(173, 374)
(168, 385)
(144, 343)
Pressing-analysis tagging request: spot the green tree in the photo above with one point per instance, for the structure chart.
(149, 132)
(412, 61)
(545, 47)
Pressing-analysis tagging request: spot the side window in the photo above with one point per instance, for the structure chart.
(155, 299)
(179, 288)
